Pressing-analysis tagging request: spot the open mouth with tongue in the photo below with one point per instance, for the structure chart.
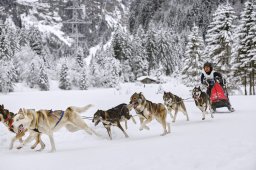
(135, 104)
(21, 128)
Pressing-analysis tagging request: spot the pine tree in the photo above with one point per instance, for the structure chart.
(252, 53)
(121, 44)
(32, 77)
(6, 84)
(5, 45)
(243, 63)
(128, 75)
(105, 69)
(138, 61)
(118, 45)
(35, 40)
(151, 49)
(12, 35)
(64, 82)
(43, 81)
(84, 80)
(219, 38)
(167, 49)
(112, 70)
(193, 58)
(80, 57)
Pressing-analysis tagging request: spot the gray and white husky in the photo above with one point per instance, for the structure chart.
(174, 103)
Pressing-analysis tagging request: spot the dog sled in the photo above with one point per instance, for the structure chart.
(219, 97)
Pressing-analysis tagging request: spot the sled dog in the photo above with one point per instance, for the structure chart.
(6, 118)
(202, 101)
(48, 121)
(113, 117)
(147, 110)
(174, 103)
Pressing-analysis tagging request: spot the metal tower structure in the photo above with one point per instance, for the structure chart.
(75, 21)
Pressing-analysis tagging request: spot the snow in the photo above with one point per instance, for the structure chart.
(226, 142)
(143, 77)
(50, 24)
(92, 53)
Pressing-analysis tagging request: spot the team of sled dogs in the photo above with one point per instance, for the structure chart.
(48, 121)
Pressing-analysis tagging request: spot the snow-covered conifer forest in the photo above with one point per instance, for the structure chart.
(97, 43)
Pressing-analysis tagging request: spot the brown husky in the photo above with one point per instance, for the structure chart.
(47, 121)
(174, 103)
(148, 110)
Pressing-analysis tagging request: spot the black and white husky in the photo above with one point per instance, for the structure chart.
(202, 101)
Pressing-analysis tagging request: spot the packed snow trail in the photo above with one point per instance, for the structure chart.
(226, 142)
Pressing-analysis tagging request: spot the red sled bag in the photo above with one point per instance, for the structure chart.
(217, 93)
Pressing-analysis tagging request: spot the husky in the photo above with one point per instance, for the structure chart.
(48, 121)
(113, 117)
(6, 118)
(174, 103)
(147, 110)
(202, 101)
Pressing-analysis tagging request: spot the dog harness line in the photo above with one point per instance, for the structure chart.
(141, 113)
(61, 116)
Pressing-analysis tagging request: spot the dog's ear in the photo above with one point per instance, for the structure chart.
(24, 112)
(20, 110)
(141, 96)
(100, 112)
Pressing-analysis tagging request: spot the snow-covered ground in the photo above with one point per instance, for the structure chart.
(227, 142)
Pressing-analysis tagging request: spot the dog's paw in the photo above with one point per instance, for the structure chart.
(141, 128)
(163, 134)
(39, 150)
(19, 147)
(52, 150)
(147, 128)
(203, 118)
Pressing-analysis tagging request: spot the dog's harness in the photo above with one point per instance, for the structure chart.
(141, 113)
(36, 124)
(37, 121)
(181, 100)
(61, 116)
(199, 100)
(8, 120)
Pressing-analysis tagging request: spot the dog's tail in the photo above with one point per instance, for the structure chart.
(81, 109)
